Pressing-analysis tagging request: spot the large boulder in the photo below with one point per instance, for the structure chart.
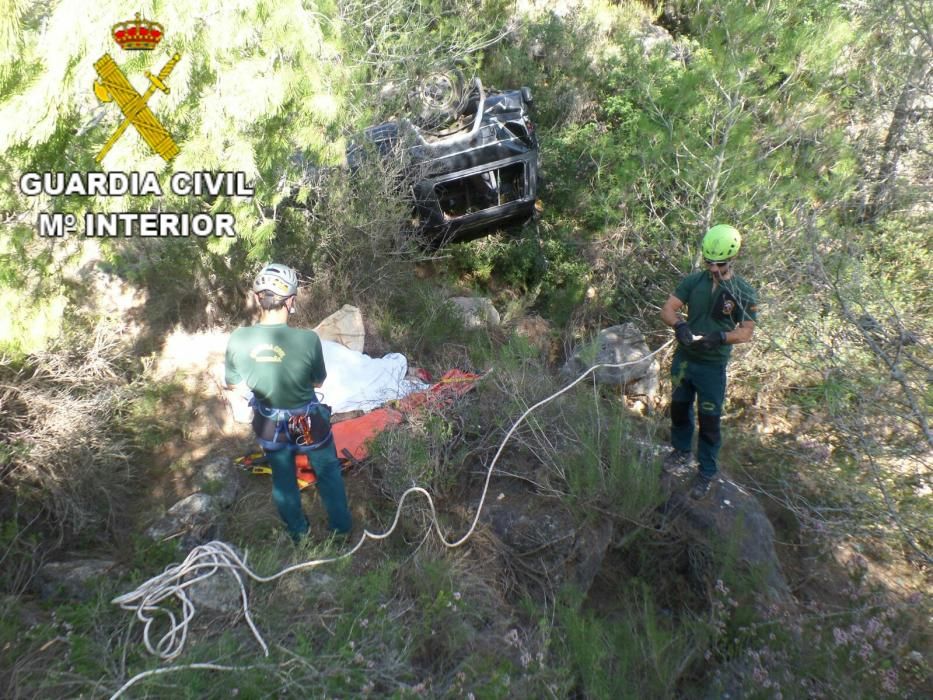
(614, 346)
(727, 517)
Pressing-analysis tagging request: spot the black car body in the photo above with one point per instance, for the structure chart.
(479, 172)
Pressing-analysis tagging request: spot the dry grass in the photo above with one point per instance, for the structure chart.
(63, 447)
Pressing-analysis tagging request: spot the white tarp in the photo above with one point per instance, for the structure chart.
(358, 382)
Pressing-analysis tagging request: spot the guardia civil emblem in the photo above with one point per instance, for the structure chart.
(136, 35)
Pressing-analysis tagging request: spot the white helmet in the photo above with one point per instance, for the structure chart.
(281, 280)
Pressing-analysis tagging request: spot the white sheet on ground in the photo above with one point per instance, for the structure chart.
(359, 382)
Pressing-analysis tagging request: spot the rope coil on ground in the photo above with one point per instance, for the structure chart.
(205, 560)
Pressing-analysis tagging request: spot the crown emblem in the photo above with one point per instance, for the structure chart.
(138, 34)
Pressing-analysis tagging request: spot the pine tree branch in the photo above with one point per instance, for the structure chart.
(896, 372)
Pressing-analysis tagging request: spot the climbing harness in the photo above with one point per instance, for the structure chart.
(302, 429)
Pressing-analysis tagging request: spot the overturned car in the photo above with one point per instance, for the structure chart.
(475, 171)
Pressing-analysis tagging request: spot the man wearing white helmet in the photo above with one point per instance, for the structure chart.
(721, 312)
(283, 366)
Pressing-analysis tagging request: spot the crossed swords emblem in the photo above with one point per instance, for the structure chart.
(113, 86)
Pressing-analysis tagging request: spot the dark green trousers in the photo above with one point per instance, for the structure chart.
(329, 485)
(705, 385)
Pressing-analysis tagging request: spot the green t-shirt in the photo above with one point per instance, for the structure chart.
(720, 309)
(279, 364)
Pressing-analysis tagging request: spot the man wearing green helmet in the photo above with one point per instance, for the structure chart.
(721, 312)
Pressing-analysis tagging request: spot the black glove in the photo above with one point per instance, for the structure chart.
(711, 341)
(683, 333)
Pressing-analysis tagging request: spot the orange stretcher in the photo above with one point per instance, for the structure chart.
(352, 436)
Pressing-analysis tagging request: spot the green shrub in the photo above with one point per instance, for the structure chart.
(583, 444)
(638, 652)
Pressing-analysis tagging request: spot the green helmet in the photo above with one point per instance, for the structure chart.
(721, 242)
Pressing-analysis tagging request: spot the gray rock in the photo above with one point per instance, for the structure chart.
(219, 592)
(195, 513)
(476, 312)
(727, 514)
(220, 479)
(617, 345)
(74, 579)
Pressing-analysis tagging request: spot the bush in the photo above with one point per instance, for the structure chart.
(74, 426)
(638, 652)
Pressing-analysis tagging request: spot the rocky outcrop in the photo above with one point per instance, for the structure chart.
(728, 517)
(194, 518)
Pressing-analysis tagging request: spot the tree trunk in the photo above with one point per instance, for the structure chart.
(891, 151)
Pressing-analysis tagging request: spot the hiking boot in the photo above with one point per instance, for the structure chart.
(700, 487)
(676, 459)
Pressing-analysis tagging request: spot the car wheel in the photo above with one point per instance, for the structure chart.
(439, 97)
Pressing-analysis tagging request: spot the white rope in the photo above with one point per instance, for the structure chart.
(205, 560)
(169, 669)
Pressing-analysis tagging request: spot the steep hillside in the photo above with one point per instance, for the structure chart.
(587, 572)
